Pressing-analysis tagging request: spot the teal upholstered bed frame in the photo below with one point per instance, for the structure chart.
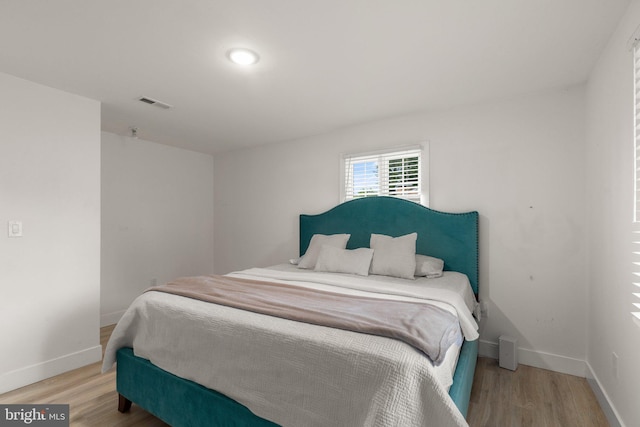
(452, 237)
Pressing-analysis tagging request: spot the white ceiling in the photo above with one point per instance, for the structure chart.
(325, 64)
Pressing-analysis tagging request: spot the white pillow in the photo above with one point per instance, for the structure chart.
(429, 267)
(394, 256)
(336, 260)
(317, 241)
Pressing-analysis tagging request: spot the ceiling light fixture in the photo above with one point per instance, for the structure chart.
(242, 56)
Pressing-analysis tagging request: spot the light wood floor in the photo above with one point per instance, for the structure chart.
(531, 397)
(500, 398)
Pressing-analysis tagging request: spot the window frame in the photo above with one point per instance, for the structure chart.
(384, 184)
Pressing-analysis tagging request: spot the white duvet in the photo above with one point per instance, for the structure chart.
(298, 374)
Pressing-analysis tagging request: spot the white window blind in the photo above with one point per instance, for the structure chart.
(635, 311)
(636, 191)
(636, 89)
(395, 173)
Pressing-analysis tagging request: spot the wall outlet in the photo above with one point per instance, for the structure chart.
(614, 365)
(14, 229)
(484, 308)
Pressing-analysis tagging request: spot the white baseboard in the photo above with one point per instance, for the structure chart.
(538, 359)
(603, 399)
(50, 368)
(110, 318)
(488, 349)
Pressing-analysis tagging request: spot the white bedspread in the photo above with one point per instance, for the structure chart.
(293, 373)
(452, 291)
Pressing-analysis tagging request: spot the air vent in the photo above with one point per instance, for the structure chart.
(154, 102)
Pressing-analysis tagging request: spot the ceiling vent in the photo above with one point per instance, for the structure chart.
(154, 102)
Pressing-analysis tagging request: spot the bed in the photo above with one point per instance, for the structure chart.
(152, 341)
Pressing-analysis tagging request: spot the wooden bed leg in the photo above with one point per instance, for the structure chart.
(124, 404)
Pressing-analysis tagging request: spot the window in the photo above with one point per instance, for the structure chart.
(636, 190)
(397, 173)
(636, 88)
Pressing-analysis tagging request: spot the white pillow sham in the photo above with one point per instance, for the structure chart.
(394, 256)
(308, 261)
(336, 260)
(429, 267)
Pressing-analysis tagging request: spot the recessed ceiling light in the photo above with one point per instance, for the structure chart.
(242, 56)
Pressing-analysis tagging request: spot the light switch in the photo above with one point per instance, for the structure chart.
(15, 228)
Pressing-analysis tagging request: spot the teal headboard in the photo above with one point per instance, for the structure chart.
(452, 237)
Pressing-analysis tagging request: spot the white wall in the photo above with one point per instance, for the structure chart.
(519, 162)
(610, 203)
(50, 277)
(157, 218)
